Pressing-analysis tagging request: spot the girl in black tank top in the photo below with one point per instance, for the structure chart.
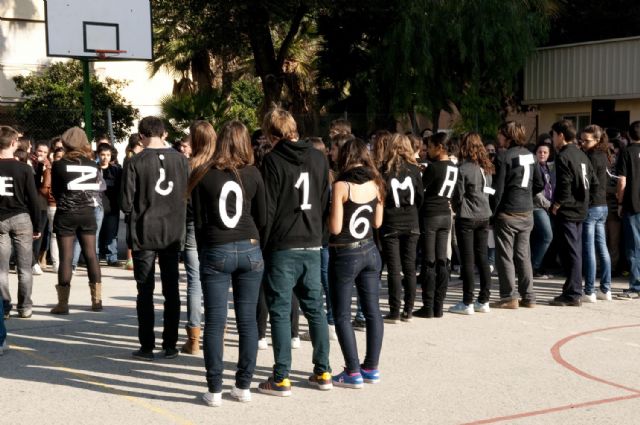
(356, 208)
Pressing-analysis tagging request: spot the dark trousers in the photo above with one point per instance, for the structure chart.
(399, 252)
(296, 271)
(144, 274)
(472, 241)
(240, 265)
(37, 243)
(570, 249)
(435, 273)
(108, 241)
(263, 314)
(360, 266)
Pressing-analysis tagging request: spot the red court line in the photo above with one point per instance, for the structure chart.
(557, 356)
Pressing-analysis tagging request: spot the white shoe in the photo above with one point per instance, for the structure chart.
(461, 308)
(479, 307)
(295, 342)
(305, 336)
(243, 396)
(263, 344)
(54, 268)
(212, 399)
(36, 270)
(589, 298)
(603, 296)
(4, 347)
(333, 336)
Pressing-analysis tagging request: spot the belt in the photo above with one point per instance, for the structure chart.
(351, 245)
(313, 248)
(254, 242)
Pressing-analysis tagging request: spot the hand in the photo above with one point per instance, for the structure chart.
(37, 235)
(555, 208)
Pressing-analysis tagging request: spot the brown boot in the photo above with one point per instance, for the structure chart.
(96, 296)
(63, 300)
(42, 260)
(192, 346)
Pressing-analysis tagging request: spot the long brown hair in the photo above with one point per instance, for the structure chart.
(602, 140)
(400, 151)
(232, 151)
(381, 147)
(203, 143)
(355, 153)
(472, 149)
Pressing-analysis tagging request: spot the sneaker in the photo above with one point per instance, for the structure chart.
(370, 376)
(509, 304)
(527, 303)
(243, 396)
(212, 399)
(629, 294)
(146, 355)
(171, 353)
(4, 347)
(406, 316)
(321, 381)
(25, 314)
(114, 263)
(591, 298)
(539, 275)
(565, 302)
(295, 342)
(73, 269)
(348, 380)
(461, 308)
(36, 270)
(129, 264)
(263, 344)
(359, 325)
(424, 312)
(7, 315)
(479, 307)
(333, 336)
(279, 389)
(603, 296)
(392, 318)
(54, 268)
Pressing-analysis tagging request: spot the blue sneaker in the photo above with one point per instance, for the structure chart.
(348, 380)
(370, 376)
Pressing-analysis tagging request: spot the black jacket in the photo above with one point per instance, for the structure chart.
(575, 181)
(76, 184)
(296, 179)
(18, 193)
(516, 180)
(403, 200)
(600, 164)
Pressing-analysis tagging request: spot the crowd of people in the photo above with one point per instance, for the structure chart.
(290, 223)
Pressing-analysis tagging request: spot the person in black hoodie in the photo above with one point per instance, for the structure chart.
(112, 175)
(595, 144)
(575, 180)
(517, 179)
(439, 181)
(76, 184)
(19, 215)
(153, 199)
(401, 227)
(296, 177)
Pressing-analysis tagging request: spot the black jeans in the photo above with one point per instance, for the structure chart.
(472, 241)
(37, 243)
(435, 273)
(399, 252)
(570, 249)
(360, 266)
(144, 274)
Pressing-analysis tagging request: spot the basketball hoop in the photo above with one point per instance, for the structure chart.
(104, 54)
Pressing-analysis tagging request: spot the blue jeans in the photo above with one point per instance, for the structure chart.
(194, 288)
(99, 213)
(324, 278)
(541, 237)
(109, 238)
(240, 265)
(3, 329)
(594, 240)
(296, 271)
(360, 266)
(632, 239)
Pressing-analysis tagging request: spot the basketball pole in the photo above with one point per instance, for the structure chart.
(88, 113)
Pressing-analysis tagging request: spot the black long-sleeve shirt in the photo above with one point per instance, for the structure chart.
(439, 181)
(18, 193)
(227, 209)
(516, 180)
(600, 163)
(471, 196)
(629, 167)
(404, 199)
(76, 184)
(575, 181)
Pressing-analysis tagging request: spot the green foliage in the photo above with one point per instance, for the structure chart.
(180, 110)
(245, 101)
(53, 102)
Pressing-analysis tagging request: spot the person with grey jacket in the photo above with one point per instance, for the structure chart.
(542, 234)
(470, 202)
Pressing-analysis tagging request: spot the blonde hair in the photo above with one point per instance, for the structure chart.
(400, 151)
(279, 124)
(514, 132)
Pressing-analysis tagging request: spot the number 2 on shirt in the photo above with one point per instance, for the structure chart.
(303, 181)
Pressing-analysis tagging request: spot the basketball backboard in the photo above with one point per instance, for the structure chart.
(82, 28)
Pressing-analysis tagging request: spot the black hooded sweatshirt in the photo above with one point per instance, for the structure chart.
(296, 179)
(575, 183)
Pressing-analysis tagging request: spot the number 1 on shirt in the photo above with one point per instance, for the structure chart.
(303, 181)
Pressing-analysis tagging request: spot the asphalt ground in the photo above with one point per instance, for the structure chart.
(546, 365)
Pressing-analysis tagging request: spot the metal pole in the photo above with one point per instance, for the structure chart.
(88, 113)
(110, 126)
